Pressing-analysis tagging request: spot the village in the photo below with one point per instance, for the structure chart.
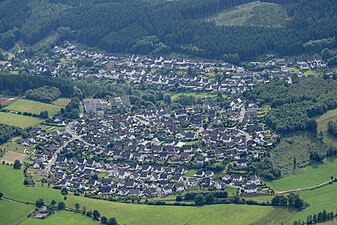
(214, 76)
(157, 151)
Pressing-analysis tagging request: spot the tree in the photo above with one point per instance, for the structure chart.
(17, 164)
(104, 220)
(53, 203)
(199, 200)
(112, 221)
(89, 214)
(1, 195)
(39, 203)
(64, 191)
(44, 115)
(179, 198)
(77, 206)
(96, 214)
(210, 198)
(61, 205)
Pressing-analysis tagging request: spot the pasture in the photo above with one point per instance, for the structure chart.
(16, 120)
(34, 107)
(11, 185)
(13, 213)
(61, 102)
(312, 175)
(319, 199)
(62, 217)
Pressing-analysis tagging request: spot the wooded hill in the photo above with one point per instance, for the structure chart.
(162, 27)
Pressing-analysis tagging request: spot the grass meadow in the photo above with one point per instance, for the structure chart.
(34, 107)
(16, 120)
(11, 185)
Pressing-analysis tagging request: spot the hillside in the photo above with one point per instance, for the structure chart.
(252, 14)
(161, 27)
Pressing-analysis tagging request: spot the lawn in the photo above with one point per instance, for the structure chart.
(11, 185)
(322, 122)
(13, 213)
(33, 107)
(311, 175)
(62, 217)
(62, 102)
(16, 120)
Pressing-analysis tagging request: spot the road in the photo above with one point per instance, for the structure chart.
(305, 188)
(74, 136)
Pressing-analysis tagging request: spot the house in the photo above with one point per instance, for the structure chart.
(206, 182)
(179, 186)
(105, 190)
(192, 181)
(249, 189)
(254, 180)
(166, 190)
(237, 178)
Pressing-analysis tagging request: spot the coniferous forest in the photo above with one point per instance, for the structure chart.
(161, 27)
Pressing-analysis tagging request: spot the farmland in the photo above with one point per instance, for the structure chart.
(319, 199)
(11, 185)
(314, 174)
(10, 157)
(62, 102)
(33, 107)
(16, 120)
(13, 213)
(64, 218)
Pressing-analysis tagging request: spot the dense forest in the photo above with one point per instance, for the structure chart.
(7, 132)
(161, 27)
(43, 94)
(294, 106)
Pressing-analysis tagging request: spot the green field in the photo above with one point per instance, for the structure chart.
(13, 213)
(11, 185)
(319, 199)
(314, 174)
(195, 94)
(298, 146)
(62, 102)
(33, 107)
(322, 122)
(62, 217)
(13, 119)
(252, 14)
